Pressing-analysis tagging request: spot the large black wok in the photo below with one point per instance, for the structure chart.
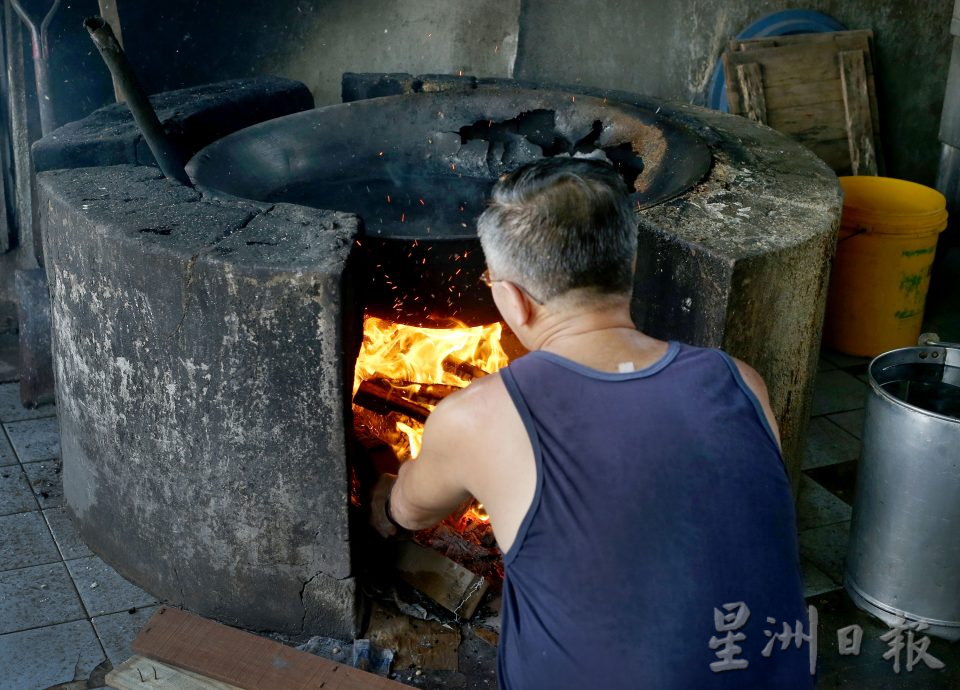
(418, 169)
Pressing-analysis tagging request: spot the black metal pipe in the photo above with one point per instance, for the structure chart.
(168, 158)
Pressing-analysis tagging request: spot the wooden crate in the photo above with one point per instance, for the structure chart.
(817, 88)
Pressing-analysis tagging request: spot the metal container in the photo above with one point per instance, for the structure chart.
(904, 554)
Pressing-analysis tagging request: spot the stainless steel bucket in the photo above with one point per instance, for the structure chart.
(904, 554)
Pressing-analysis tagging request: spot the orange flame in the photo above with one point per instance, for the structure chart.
(411, 354)
(412, 358)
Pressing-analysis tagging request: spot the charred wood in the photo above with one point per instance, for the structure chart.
(383, 401)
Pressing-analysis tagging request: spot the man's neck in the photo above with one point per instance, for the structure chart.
(558, 330)
(598, 334)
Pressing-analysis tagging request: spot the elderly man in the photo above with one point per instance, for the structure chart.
(635, 486)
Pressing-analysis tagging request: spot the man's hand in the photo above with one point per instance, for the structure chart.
(427, 489)
(378, 505)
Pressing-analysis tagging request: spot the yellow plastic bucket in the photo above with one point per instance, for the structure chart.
(878, 286)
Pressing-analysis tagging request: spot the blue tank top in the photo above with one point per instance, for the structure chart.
(661, 495)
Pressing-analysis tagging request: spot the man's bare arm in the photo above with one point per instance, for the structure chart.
(756, 384)
(427, 489)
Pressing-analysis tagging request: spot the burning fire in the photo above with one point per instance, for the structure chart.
(411, 354)
(403, 372)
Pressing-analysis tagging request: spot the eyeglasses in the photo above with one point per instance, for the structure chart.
(489, 280)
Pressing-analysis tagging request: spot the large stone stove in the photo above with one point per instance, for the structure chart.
(204, 341)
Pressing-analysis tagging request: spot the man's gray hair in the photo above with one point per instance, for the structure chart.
(560, 224)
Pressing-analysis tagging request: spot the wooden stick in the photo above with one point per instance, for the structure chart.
(166, 155)
(462, 369)
(423, 393)
(383, 401)
(108, 10)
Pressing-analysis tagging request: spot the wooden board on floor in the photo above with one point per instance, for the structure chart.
(141, 673)
(445, 581)
(242, 659)
(817, 88)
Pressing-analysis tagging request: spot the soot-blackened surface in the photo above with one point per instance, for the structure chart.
(401, 206)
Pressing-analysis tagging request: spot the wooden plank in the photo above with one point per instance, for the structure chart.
(735, 103)
(790, 64)
(835, 153)
(751, 90)
(805, 93)
(856, 102)
(821, 121)
(240, 658)
(141, 673)
(839, 40)
(446, 582)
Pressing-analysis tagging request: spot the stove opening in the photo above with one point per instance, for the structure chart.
(402, 374)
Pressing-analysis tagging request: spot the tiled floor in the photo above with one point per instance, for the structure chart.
(66, 615)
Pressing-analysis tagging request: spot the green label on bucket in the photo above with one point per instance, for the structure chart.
(918, 252)
(911, 283)
(908, 313)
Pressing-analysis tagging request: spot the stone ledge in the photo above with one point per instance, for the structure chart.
(135, 205)
(192, 118)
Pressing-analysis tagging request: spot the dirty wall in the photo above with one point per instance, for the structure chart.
(661, 48)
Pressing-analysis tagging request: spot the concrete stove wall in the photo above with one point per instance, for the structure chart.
(203, 351)
(204, 348)
(202, 362)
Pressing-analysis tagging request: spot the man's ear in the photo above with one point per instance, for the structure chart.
(514, 304)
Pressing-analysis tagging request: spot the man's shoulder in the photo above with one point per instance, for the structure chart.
(472, 419)
(476, 404)
(484, 396)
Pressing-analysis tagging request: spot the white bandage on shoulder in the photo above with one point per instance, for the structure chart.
(625, 367)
